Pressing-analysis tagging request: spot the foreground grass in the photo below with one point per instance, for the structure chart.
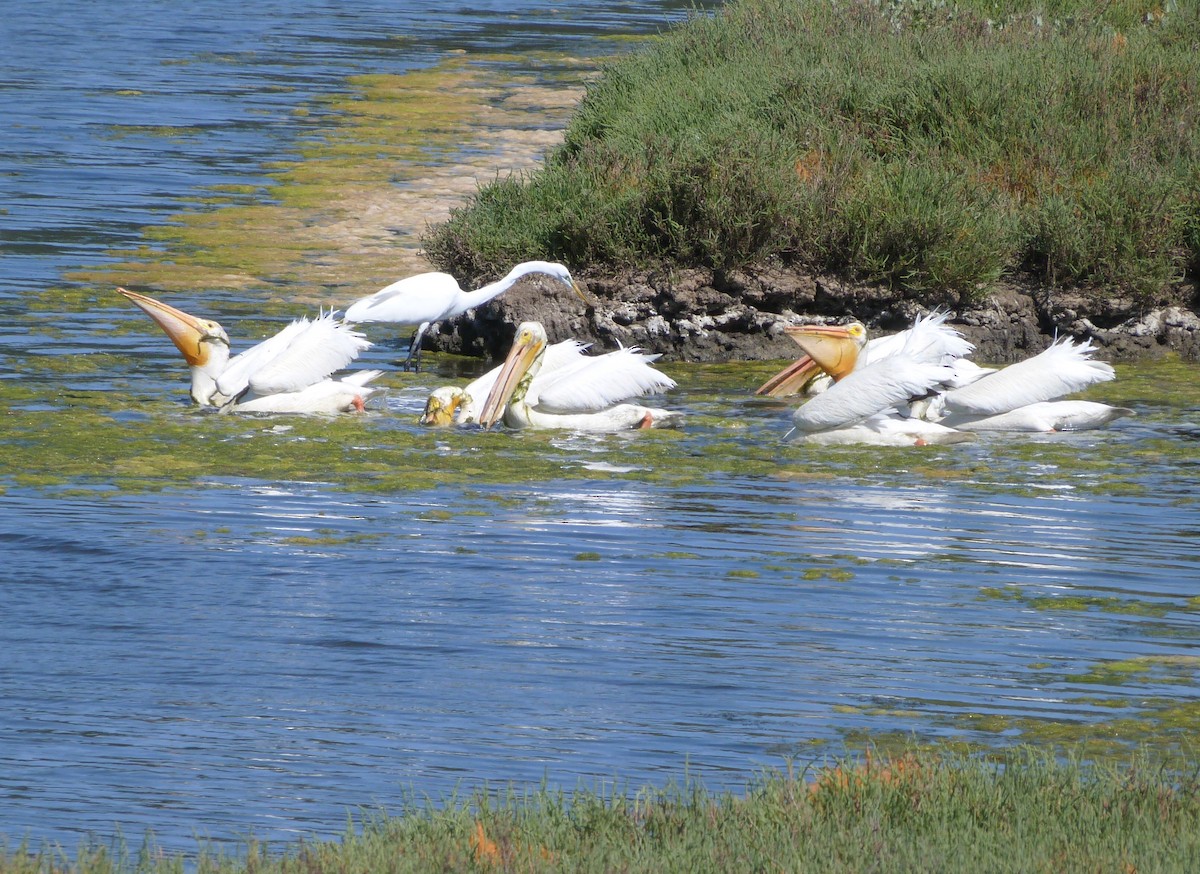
(915, 812)
(932, 145)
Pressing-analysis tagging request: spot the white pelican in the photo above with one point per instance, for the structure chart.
(1043, 416)
(929, 339)
(1021, 397)
(453, 405)
(427, 298)
(860, 407)
(286, 373)
(1061, 369)
(586, 395)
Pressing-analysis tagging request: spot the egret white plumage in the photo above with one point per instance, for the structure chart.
(587, 395)
(287, 373)
(428, 298)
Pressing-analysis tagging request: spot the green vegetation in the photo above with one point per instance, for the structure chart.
(914, 812)
(933, 145)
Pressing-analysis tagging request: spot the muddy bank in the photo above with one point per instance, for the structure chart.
(699, 315)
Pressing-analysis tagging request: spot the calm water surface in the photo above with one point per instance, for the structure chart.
(267, 655)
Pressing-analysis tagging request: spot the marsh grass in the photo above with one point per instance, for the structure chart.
(930, 145)
(914, 811)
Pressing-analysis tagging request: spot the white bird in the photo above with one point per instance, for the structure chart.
(287, 373)
(460, 406)
(1043, 416)
(428, 298)
(860, 407)
(929, 339)
(1063, 368)
(1021, 397)
(586, 395)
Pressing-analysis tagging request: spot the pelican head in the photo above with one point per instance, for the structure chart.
(203, 342)
(442, 406)
(832, 348)
(519, 368)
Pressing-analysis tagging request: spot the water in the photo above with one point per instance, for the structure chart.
(266, 654)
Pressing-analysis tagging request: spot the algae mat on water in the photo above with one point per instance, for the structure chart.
(344, 213)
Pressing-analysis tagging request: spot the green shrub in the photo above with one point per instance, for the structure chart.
(935, 146)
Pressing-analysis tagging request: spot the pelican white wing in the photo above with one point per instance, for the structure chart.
(1043, 416)
(351, 392)
(929, 339)
(594, 383)
(872, 389)
(302, 354)
(1063, 368)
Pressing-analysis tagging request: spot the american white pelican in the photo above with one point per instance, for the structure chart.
(428, 298)
(1021, 397)
(886, 429)
(286, 373)
(929, 339)
(451, 405)
(1042, 416)
(1063, 368)
(586, 395)
(860, 407)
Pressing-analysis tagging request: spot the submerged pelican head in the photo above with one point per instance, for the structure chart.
(443, 405)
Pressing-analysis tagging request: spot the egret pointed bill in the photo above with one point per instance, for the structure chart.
(186, 331)
(834, 348)
(527, 348)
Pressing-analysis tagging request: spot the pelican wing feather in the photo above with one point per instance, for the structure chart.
(594, 383)
(302, 354)
(870, 390)
(929, 339)
(1063, 368)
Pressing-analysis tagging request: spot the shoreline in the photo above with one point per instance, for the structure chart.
(700, 315)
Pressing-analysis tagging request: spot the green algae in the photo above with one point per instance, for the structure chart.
(1082, 603)
(325, 227)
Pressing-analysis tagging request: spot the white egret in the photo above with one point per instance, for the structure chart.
(289, 372)
(428, 298)
(587, 395)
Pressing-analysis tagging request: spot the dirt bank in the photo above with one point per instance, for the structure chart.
(699, 315)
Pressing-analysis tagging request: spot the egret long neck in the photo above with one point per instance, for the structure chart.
(480, 296)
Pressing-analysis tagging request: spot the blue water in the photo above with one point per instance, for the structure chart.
(268, 655)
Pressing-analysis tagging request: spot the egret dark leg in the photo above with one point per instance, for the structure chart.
(414, 349)
(412, 352)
